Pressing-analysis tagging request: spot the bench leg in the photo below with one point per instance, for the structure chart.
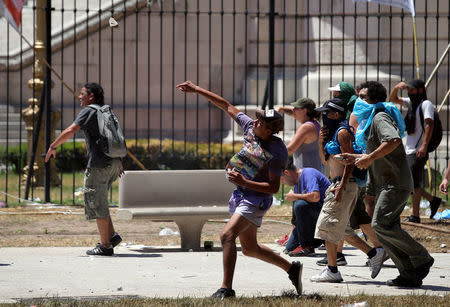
(190, 231)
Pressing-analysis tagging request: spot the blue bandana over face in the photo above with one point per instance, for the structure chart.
(365, 112)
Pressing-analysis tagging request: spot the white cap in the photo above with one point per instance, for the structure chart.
(335, 88)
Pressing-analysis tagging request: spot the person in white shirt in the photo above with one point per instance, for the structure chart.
(419, 136)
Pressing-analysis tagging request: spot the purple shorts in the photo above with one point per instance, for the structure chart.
(251, 207)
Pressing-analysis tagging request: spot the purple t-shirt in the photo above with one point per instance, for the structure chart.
(311, 180)
(257, 157)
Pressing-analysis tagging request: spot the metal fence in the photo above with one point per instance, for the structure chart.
(254, 53)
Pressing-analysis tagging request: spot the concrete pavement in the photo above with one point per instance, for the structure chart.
(163, 272)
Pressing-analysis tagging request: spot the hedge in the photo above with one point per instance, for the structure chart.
(154, 154)
(70, 156)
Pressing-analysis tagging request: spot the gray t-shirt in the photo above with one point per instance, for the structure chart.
(390, 171)
(87, 120)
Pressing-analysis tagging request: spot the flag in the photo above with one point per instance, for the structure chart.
(12, 10)
(404, 4)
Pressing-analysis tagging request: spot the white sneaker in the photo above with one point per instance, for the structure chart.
(376, 262)
(327, 276)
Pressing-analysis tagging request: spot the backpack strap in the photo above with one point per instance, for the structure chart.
(421, 122)
(95, 106)
(347, 127)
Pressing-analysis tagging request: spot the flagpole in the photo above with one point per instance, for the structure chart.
(416, 51)
(443, 101)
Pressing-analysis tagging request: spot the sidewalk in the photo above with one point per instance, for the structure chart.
(152, 272)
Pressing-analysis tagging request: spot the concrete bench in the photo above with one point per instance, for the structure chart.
(187, 197)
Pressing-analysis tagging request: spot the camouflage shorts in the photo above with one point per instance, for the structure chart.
(97, 182)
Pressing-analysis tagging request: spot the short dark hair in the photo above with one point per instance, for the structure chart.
(291, 166)
(375, 90)
(97, 90)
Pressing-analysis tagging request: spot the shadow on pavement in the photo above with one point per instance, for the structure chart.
(435, 288)
(138, 255)
(149, 249)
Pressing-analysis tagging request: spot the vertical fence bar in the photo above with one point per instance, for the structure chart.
(148, 79)
(124, 68)
(233, 68)
(19, 162)
(161, 80)
(319, 49)
(296, 95)
(448, 84)
(402, 17)
(209, 83)
(355, 15)
(173, 77)
(7, 113)
(75, 87)
(367, 43)
(283, 15)
(308, 45)
(221, 83)
(425, 45)
(378, 42)
(271, 52)
(197, 76)
(185, 76)
(257, 51)
(390, 48)
(61, 105)
(111, 79)
(48, 95)
(331, 43)
(343, 44)
(87, 41)
(245, 54)
(136, 85)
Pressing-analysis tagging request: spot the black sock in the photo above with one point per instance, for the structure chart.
(291, 269)
(339, 255)
(333, 269)
(372, 253)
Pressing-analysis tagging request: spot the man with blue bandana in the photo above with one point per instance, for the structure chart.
(389, 184)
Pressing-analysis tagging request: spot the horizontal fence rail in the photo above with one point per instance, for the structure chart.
(221, 45)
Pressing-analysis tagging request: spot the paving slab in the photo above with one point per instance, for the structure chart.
(49, 272)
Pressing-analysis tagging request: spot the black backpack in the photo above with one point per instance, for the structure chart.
(436, 136)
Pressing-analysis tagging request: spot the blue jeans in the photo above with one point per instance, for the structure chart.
(292, 242)
(305, 219)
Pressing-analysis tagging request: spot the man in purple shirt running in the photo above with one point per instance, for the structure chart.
(255, 170)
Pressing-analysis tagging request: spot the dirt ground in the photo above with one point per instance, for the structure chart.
(68, 227)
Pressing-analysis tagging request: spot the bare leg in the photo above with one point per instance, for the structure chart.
(236, 225)
(111, 228)
(358, 243)
(251, 248)
(103, 226)
(417, 196)
(368, 230)
(340, 246)
(331, 253)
